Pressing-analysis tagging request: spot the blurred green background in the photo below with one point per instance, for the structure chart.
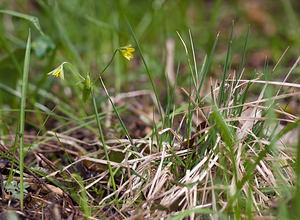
(86, 33)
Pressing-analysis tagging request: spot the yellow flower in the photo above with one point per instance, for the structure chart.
(127, 52)
(58, 72)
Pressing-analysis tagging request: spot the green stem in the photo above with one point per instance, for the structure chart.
(105, 68)
(103, 141)
(119, 117)
(22, 116)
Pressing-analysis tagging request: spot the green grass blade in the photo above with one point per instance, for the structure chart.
(230, 141)
(102, 140)
(186, 213)
(189, 128)
(84, 198)
(207, 65)
(244, 54)
(225, 131)
(147, 69)
(117, 64)
(261, 155)
(22, 115)
(119, 117)
(32, 19)
(221, 91)
(241, 66)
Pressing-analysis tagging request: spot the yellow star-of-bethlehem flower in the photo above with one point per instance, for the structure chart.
(58, 72)
(127, 52)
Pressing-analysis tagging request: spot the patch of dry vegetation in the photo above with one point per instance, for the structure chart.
(165, 177)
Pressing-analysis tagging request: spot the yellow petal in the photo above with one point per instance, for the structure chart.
(130, 49)
(58, 72)
(127, 52)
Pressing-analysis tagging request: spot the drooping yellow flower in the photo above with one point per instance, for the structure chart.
(127, 52)
(58, 72)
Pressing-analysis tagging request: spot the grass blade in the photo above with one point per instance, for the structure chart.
(22, 115)
(32, 19)
(119, 117)
(102, 140)
(207, 65)
(221, 91)
(147, 69)
(186, 213)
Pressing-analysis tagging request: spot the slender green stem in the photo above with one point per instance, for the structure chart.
(119, 117)
(105, 68)
(103, 141)
(22, 116)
